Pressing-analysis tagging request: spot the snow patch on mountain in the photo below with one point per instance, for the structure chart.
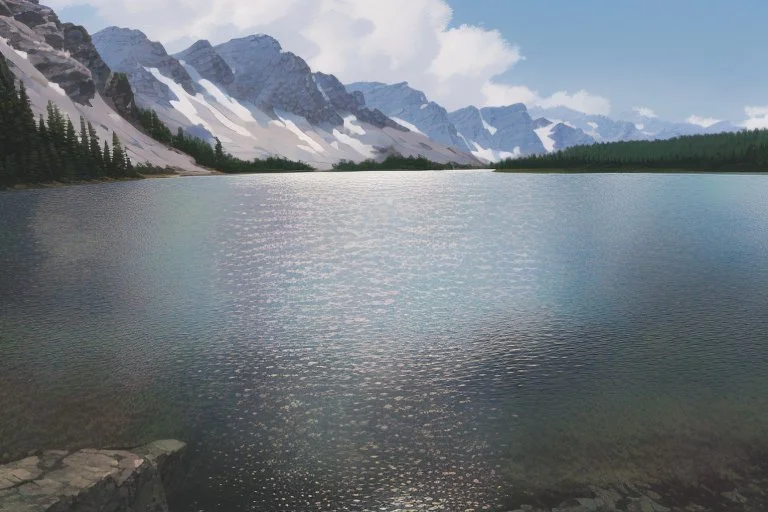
(314, 146)
(405, 124)
(350, 123)
(365, 150)
(545, 135)
(58, 89)
(491, 155)
(490, 129)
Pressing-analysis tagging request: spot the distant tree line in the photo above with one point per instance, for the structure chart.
(740, 151)
(213, 156)
(46, 150)
(396, 162)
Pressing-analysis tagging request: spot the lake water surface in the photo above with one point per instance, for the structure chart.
(392, 340)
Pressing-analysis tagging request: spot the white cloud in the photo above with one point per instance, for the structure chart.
(583, 101)
(704, 122)
(644, 112)
(757, 118)
(356, 40)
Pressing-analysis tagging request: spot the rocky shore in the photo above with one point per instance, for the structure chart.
(136, 480)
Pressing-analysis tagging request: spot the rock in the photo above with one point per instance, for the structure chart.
(78, 43)
(64, 53)
(208, 63)
(130, 52)
(541, 122)
(566, 136)
(353, 103)
(114, 480)
(646, 504)
(273, 80)
(4, 9)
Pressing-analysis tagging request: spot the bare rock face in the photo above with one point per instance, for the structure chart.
(114, 480)
(131, 52)
(208, 63)
(401, 101)
(354, 103)
(272, 79)
(63, 52)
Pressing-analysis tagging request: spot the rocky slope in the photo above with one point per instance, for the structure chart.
(120, 481)
(260, 101)
(58, 62)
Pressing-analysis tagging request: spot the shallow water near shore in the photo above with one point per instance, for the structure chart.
(392, 340)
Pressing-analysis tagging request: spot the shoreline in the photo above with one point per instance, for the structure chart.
(633, 171)
(182, 174)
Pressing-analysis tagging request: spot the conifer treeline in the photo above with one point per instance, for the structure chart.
(740, 151)
(45, 150)
(213, 156)
(396, 162)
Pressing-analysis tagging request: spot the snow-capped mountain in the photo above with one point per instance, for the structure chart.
(491, 133)
(558, 136)
(57, 62)
(495, 133)
(411, 109)
(600, 128)
(260, 101)
(654, 127)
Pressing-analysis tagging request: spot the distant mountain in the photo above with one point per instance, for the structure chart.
(498, 132)
(58, 63)
(261, 101)
(411, 109)
(655, 128)
(599, 128)
(558, 136)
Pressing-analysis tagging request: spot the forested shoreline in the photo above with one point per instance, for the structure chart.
(396, 162)
(745, 151)
(51, 149)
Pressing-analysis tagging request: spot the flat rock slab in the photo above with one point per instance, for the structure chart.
(108, 480)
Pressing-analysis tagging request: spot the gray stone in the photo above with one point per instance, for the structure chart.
(208, 63)
(64, 53)
(108, 480)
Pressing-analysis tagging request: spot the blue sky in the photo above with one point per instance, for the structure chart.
(676, 57)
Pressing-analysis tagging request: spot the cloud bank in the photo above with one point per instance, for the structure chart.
(757, 118)
(356, 40)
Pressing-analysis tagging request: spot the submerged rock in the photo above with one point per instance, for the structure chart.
(114, 480)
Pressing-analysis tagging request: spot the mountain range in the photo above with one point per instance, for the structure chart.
(260, 101)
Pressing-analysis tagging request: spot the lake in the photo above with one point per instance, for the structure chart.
(391, 340)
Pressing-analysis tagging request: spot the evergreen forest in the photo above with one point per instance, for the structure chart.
(745, 151)
(51, 149)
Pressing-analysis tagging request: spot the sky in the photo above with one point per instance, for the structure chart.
(698, 60)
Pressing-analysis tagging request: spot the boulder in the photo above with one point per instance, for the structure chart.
(114, 480)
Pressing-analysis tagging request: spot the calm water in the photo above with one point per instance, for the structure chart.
(383, 341)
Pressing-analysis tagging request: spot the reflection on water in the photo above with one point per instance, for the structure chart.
(391, 340)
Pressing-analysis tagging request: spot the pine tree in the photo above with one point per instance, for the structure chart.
(94, 149)
(118, 157)
(107, 160)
